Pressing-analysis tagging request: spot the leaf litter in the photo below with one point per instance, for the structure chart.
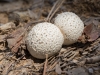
(81, 58)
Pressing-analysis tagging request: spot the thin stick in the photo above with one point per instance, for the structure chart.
(45, 65)
(13, 64)
(54, 9)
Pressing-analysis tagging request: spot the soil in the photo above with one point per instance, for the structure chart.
(17, 17)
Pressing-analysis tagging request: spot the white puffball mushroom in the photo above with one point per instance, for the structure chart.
(44, 38)
(71, 26)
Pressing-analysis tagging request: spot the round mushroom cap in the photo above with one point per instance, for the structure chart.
(71, 26)
(44, 38)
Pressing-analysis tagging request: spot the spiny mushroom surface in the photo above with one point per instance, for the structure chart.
(44, 38)
(71, 26)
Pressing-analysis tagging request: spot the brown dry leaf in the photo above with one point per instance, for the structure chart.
(16, 40)
(91, 32)
(94, 36)
(17, 44)
(88, 29)
(58, 69)
(17, 32)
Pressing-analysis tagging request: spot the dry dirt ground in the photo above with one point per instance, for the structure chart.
(18, 16)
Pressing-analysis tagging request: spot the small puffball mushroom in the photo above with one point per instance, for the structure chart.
(44, 38)
(71, 26)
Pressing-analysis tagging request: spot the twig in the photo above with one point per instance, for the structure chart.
(6, 56)
(13, 64)
(15, 48)
(52, 66)
(33, 22)
(54, 9)
(51, 11)
(20, 37)
(75, 53)
(45, 65)
(51, 61)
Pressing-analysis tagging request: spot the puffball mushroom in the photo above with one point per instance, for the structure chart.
(44, 38)
(71, 26)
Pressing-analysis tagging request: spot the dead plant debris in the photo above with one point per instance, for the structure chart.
(17, 17)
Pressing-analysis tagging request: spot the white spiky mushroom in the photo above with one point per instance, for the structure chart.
(44, 38)
(71, 26)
